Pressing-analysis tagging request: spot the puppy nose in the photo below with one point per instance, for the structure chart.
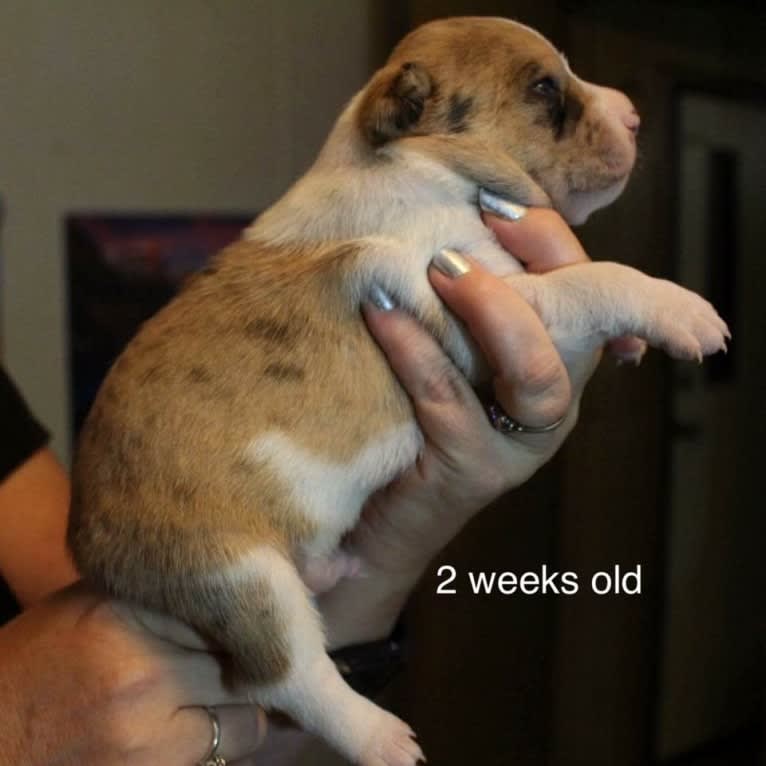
(632, 121)
(619, 107)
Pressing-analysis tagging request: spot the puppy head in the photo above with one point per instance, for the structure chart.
(496, 100)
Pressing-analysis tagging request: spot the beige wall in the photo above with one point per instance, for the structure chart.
(181, 105)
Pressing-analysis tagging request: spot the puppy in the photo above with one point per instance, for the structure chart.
(236, 439)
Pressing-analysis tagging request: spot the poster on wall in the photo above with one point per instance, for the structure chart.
(121, 269)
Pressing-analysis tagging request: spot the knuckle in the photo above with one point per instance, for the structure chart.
(125, 675)
(122, 665)
(541, 373)
(125, 689)
(118, 732)
(544, 382)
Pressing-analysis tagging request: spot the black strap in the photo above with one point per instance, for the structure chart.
(369, 668)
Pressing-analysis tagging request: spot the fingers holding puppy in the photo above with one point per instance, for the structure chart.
(530, 380)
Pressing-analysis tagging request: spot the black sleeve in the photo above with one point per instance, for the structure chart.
(20, 434)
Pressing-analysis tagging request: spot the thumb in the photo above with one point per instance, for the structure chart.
(540, 239)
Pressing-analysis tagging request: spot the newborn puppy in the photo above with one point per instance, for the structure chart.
(236, 439)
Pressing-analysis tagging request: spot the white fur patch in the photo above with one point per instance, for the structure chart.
(329, 493)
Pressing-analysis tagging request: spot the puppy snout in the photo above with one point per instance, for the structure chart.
(632, 121)
(621, 108)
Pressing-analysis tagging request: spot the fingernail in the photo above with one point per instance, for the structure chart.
(261, 726)
(380, 298)
(491, 203)
(451, 263)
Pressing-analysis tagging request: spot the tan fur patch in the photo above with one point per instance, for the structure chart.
(211, 372)
(481, 104)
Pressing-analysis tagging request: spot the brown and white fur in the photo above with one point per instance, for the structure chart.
(236, 439)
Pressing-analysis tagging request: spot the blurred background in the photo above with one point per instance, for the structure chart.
(208, 109)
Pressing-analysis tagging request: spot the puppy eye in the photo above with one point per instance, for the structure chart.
(547, 87)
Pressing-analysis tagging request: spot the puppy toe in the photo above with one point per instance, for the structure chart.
(683, 344)
(393, 745)
(711, 339)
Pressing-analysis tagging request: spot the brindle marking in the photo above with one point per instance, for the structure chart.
(288, 373)
(271, 331)
(459, 111)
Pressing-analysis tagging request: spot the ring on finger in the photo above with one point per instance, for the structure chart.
(501, 421)
(213, 758)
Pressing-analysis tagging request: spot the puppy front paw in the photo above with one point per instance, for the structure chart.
(684, 324)
(393, 744)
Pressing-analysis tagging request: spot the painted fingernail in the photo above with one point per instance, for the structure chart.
(380, 298)
(491, 203)
(451, 263)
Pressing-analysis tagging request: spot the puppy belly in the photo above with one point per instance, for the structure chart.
(330, 493)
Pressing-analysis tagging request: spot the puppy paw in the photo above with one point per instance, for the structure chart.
(393, 744)
(684, 324)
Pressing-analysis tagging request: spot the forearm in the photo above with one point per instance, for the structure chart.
(34, 502)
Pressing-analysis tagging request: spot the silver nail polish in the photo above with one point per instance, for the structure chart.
(491, 203)
(380, 298)
(451, 263)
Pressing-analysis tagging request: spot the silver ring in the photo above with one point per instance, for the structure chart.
(501, 421)
(213, 758)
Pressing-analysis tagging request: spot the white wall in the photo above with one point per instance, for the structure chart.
(180, 105)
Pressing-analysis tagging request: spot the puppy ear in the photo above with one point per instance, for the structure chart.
(394, 102)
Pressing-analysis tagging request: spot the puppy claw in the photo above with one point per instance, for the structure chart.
(393, 744)
(684, 324)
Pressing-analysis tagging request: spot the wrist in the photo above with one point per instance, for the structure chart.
(365, 608)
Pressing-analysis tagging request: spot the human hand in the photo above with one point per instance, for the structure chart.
(87, 680)
(466, 463)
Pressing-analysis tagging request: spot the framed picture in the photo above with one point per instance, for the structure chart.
(121, 269)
